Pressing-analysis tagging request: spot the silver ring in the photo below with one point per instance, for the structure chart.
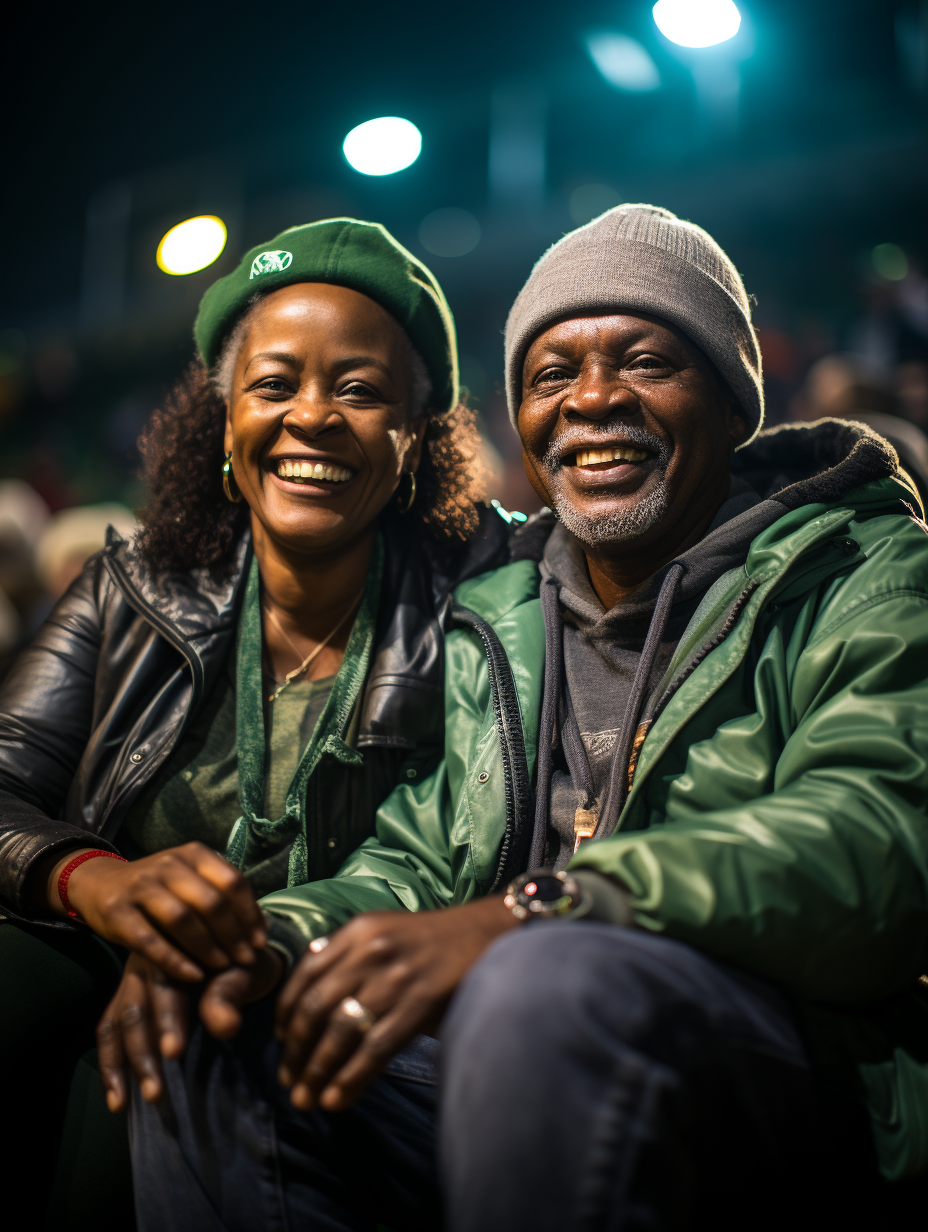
(319, 944)
(360, 1016)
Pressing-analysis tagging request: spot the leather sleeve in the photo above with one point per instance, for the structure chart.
(46, 712)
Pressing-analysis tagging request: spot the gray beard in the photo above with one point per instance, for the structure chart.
(614, 527)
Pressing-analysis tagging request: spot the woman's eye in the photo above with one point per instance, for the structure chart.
(273, 385)
(355, 389)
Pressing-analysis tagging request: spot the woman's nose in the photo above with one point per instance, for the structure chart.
(312, 415)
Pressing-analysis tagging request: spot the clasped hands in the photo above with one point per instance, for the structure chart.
(401, 967)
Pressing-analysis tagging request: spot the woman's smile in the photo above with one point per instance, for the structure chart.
(311, 476)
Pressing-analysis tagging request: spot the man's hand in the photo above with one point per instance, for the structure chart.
(186, 909)
(402, 967)
(148, 1018)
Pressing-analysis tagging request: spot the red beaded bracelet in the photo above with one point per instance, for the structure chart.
(69, 869)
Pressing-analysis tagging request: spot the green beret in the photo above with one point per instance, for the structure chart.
(361, 255)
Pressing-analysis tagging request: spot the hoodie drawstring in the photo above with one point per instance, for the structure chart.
(558, 720)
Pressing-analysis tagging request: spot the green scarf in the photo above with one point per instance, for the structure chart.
(327, 736)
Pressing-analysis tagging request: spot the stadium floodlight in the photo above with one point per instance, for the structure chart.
(697, 23)
(192, 245)
(383, 146)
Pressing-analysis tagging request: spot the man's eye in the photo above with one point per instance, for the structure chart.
(551, 374)
(649, 362)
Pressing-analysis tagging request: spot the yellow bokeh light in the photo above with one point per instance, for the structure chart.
(192, 245)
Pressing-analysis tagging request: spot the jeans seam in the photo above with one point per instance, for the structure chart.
(631, 1096)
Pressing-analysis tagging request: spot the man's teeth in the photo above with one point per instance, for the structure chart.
(306, 472)
(617, 453)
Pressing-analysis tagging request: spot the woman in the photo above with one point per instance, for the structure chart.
(222, 704)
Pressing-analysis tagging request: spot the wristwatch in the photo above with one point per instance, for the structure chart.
(541, 894)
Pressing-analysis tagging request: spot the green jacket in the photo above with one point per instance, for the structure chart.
(777, 818)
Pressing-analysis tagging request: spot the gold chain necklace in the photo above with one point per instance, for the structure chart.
(298, 671)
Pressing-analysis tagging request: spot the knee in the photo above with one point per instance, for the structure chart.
(560, 984)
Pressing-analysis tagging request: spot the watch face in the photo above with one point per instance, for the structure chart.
(545, 893)
(542, 895)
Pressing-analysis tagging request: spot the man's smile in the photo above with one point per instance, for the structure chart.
(600, 459)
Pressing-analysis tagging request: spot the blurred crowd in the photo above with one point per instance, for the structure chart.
(872, 368)
(41, 554)
(881, 377)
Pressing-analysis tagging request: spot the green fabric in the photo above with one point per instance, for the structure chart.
(778, 814)
(194, 795)
(361, 255)
(292, 720)
(253, 831)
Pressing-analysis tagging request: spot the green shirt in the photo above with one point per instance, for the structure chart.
(194, 795)
(243, 755)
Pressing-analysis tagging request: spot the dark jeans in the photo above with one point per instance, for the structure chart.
(592, 1077)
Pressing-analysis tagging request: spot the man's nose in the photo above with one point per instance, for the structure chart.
(597, 394)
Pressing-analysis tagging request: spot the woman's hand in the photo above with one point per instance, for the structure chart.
(402, 967)
(148, 1018)
(186, 909)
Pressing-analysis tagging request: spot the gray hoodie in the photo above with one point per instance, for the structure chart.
(602, 648)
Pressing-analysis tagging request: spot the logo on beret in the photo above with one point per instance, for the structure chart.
(271, 262)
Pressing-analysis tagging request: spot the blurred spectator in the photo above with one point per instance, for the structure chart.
(893, 328)
(73, 535)
(912, 391)
(838, 386)
(23, 515)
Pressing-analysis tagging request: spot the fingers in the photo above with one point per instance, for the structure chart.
(374, 1051)
(234, 888)
(131, 927)
(310, 1017)
(214, 923)
(349, 1057)
(322, 954)
(311, 1058)
(110, 1053)
(170, 1010)
(127, 1032)
(226, 993)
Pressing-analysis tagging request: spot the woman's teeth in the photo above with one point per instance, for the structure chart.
(306, 472)
(618, 453)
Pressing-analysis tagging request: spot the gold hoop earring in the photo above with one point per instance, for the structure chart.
(229, 486)
(404, 506)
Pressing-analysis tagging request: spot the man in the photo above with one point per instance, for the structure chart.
(678, 839)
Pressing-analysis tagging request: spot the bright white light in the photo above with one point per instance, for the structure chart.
(623, 61)
(383, 146)
(192, 245)
(697, 23)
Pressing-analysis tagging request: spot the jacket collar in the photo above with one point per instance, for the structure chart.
(402, 701)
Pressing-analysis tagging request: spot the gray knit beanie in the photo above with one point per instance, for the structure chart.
(643, 258)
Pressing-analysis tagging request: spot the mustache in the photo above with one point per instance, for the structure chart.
(601, 437)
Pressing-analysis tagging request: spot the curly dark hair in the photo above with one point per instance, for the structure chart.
(188, 523)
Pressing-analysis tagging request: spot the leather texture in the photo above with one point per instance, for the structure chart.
(92, 708)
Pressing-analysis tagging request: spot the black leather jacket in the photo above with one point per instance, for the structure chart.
(93, 707)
